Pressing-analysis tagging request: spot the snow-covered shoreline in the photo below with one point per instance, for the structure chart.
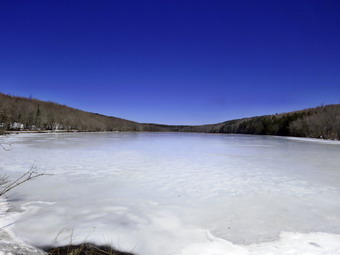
(9, 243)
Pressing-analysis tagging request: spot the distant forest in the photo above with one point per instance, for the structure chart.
(19, 113)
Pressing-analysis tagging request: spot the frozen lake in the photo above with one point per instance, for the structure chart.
(178, 193)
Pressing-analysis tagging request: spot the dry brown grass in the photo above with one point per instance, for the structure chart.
(84, 249)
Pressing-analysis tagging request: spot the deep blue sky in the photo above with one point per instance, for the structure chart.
(173, 62)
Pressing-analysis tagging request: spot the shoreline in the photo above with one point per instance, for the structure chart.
(304, 138)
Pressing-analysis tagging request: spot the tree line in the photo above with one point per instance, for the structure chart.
(319, 122)
(19, 113)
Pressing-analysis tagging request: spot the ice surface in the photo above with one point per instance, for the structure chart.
(9, 244)
(168, 193)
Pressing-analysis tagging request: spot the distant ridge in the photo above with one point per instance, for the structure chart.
(20, 113)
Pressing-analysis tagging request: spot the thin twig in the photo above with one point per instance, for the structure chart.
(29, 175)
(3, 147)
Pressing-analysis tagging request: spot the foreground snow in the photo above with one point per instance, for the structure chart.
(9, 244)
(288, 243)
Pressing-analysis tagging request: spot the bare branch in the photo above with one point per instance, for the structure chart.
(7, 185)
(3, 143)
(3, 147)
(4, 180)
(29, 175)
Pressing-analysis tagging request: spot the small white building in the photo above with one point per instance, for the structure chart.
(17, 125)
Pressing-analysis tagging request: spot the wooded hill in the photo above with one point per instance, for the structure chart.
(19, 113)
(31, 114)
(319, 122)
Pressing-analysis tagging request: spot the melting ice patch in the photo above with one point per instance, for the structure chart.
(178, 193)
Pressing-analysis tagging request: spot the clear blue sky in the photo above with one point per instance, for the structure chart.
(173, 62)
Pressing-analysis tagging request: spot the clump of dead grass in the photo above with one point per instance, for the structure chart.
(84, 249)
